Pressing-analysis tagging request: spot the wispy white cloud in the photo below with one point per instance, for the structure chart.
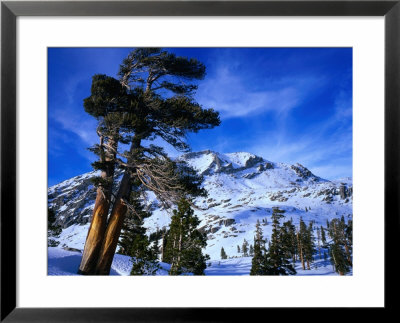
(231, 95)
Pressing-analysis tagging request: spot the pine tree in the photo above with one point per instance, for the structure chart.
(134, 241)
(277, 262)
(258, 261)
(152, 99)
(185, 243)
(133, 224)
(309, 245)
(319, 241)
(289, 241)
(323, 237)
(107, 103)
(53, 230)
(245, 248)
(251, 251)
(238, 249)
(302, 241)
(223, 254)
(340, 248)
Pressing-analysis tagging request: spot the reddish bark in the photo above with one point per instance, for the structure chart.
(114, 227)
(95, 235)
(98, 225)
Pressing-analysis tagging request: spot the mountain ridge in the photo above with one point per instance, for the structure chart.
(242, 188)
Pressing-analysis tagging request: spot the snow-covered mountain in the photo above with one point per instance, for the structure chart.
(242, 188)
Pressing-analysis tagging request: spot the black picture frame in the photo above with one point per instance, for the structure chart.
(10, 10)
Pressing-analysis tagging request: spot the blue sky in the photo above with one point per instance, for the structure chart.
(284, 104)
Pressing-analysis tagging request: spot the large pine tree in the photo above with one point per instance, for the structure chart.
(258, 261)
(277, 260)
(169, 112)
(153, 100)
(289, 242)
(108, 104)
(340, 248)
(309, 246)
(185, 242)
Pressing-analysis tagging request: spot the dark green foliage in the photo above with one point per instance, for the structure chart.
(223, 254)
(152, 100)
(277, 260)
(323, 236)
(309, 245)
(341, 246)
(151, 65)
(184, 243)
(134, 241)
(107, 96)
(251, 251)
(53, 230)
(258, 261)
(245, 248)
(288, 240)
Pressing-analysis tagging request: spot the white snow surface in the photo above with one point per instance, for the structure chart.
(65, 263)
(242, 188)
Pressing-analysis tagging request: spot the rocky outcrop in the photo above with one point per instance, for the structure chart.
(345, 192)
(301, 171)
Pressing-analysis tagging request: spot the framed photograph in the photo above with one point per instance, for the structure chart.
(187, 160)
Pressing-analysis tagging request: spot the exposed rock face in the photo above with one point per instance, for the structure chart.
(301, 171)
(73, 203)
(242, 188)
(227, 222)
(345, 191)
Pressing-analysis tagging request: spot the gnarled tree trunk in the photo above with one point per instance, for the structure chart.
(98, 225)
(116, 221)
(95, 235)
(113, 231)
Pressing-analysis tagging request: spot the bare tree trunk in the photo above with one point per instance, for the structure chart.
(162, 248)
(115, 222)
(114, 227)
(95, 235)
(348, 255)
(300, 247)
(98, 225)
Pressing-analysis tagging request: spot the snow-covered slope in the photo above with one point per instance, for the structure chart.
(242, 188)
(65, 263)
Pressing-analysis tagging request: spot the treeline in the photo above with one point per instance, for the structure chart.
(289, 244)
(181, 246)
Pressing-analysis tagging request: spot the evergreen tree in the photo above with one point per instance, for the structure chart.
(289, 241)
(238, 249)
(302, 241)
(323, 237)
(258, 261)
(245, 248)
(223, 254)
(341, 247)
(133, 224)
(107, 103)
(309, 246)
(251, 251)
(134, 241)
(319, 241)
(53, 230)
(153, 99)
(167, 111)
(185, 243)
(277, 262)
